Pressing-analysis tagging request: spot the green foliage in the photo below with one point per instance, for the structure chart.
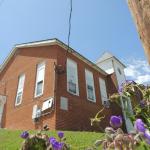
(140, 97)
(97, 118)
(135, 91)
(34, 143)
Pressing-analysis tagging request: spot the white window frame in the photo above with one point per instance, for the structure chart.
(103, 90)
(20, 89)
(75, 66)
(40, 66)
(89, 73)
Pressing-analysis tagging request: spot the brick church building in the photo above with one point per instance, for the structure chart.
(45, 83)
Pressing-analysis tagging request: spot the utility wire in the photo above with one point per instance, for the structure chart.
(70, 17)
(69, 30)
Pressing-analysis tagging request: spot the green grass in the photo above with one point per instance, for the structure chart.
(10, 140)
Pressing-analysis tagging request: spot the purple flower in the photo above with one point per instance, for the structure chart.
(116, 121)
(121, 87)
(24, 135)
(142, 103)
(58, 145)
(120, 90)
(52, 140)
(147, 136)
(129, 81)
(60, 134)
(55, 144)
(139, 126)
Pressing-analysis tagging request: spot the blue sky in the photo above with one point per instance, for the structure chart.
(97, 26)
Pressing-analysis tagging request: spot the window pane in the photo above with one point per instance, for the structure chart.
(90, 85)
(20, 89)
(40, 76)
(19, 96)
(40, 79)
(103, 90)
(21, 82)
(39, 88)
(90, 92)
(72, 87)
(72, 77)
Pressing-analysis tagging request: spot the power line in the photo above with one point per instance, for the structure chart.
(69, 29)
(70, 17)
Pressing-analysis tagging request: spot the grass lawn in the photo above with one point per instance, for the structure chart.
(10, 140)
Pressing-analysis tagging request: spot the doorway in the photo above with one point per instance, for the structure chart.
(127, 108)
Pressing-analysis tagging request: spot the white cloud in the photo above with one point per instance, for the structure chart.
(143, 79)
(131, 71)
(138, 70)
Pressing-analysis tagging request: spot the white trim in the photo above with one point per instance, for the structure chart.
(43, 67)
(20, 90)
(76, 76)
(38, 43)
(48, 43)
(87, 72)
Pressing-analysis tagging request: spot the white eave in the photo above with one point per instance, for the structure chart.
(106, 56)
(48, 43)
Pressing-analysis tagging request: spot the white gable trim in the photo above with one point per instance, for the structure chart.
(113, 57)
(48, 43)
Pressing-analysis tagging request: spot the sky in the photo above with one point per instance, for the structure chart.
(97, 26)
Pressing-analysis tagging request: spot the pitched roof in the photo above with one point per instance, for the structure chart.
(47, 43)
(106, 56)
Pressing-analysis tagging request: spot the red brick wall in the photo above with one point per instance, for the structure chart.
(26, 61)
(80, 109)
(112, 84)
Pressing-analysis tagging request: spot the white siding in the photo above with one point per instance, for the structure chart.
(112, 65)
(120, 77)
(107, 66)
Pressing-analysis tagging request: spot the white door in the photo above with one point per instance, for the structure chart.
(2, 103)
(127, 107)
(1, 112)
